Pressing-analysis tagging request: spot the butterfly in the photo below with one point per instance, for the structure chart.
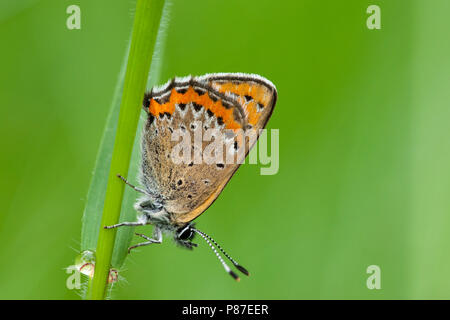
(230, 108)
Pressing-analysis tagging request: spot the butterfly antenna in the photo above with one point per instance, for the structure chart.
(237, 265)
(226, 267)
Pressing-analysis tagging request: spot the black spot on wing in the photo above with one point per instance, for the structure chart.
(197, 107)
(181, 90)
(146, 101)
(199, 91)
(227, 105)
(150, 119)
(162, 100)
(213, 97)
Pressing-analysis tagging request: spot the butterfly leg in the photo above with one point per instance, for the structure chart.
(130, 224)
(187, 244)
(157, 238)
(144, 220)
(132, 186)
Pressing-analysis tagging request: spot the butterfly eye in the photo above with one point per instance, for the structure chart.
(185, 233)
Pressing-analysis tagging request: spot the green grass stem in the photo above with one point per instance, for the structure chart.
(145, 29)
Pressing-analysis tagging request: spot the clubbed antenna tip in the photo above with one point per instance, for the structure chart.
(234, 275)
(243, 270)
(237, 265)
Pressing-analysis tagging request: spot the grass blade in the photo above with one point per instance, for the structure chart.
(125, 235)
(97, 189)
(96, 194)
(147, 18)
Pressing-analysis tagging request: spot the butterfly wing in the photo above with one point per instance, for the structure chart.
(255, 94)
(192, 106)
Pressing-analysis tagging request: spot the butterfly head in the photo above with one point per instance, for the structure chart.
(185, 233)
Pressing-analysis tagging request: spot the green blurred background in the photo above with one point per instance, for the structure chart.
(364, 120)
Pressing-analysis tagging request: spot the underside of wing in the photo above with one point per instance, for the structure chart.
(255, 94)
(179, 178)
(230, 103)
